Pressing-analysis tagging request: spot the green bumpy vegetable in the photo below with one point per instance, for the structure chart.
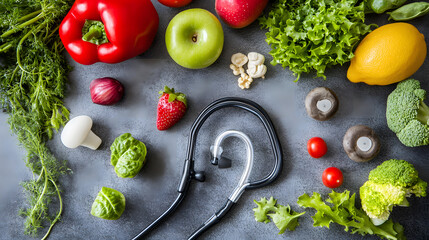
(410, 11)
(388, 185)
(407, 115)
(128, 155)
(307, 35)
(342, 210)
(380, 6)
(109, 204)
(283, 216)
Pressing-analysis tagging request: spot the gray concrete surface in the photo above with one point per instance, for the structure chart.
(154, 188)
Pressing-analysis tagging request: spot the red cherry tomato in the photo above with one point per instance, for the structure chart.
(332, 177)
(175, 3)
(316, 147)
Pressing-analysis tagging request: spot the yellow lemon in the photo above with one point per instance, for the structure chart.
(388, 54)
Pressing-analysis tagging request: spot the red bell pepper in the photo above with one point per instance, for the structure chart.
(109, 31)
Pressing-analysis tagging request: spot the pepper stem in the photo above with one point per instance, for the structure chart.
(94, 32)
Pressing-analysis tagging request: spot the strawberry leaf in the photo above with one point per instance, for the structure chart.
(171, 97)
(182, 98)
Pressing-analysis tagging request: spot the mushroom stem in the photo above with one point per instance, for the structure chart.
(364, 144)
(92, 141)
(324, 105)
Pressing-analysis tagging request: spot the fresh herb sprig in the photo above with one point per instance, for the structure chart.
(33, 74)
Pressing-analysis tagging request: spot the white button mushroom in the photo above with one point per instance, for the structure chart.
(77, 132)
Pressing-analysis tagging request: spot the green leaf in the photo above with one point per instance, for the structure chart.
(264, 206)
(342, 210)
(311, 35)
(128, 155)
(109, 204)
(284, 218)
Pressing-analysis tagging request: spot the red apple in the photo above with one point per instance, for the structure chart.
(239, 13)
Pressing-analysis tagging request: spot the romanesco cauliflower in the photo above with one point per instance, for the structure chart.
(388, 185)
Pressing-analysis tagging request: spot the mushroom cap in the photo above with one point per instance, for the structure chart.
(314, 97)
(75, 131)
(350, 143)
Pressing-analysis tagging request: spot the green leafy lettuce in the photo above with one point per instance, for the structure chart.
(308, 35)
(342, 210)
(282, 216)
(128, 155)
(109, 204)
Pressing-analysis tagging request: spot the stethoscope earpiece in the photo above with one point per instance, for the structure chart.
(224, 162)
(217, 159)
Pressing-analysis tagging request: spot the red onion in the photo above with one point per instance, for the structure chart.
(106, 91)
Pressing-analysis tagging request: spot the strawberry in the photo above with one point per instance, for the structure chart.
(171, 108)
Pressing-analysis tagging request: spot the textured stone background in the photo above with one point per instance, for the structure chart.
(154, 189)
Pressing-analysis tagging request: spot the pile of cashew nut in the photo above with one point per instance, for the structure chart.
(255, 68)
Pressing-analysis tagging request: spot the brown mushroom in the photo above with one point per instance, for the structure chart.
(361, 143)
(321, 103)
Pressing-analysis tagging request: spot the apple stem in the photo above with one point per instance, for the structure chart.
(194, 38)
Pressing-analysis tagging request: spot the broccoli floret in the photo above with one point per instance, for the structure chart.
(414, 134)
(388, 185)
(395, 172)
(407, 115)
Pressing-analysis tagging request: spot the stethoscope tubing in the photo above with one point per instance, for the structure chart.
(215, 218)
(167, 213)
(188, 168)
(256, 110)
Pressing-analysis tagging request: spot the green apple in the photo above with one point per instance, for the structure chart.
(194, 38)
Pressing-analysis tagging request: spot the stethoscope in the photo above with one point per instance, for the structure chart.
(189, 173)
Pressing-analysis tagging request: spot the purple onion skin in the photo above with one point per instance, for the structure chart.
(106, 91)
